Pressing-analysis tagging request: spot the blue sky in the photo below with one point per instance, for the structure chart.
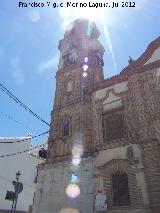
(29, 55)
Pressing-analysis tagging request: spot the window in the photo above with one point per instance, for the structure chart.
(70, 57)
(73, 55)
(98, 59)
(66, 128)
(66, 59)
(130, 154)
(113, 125)
(120, 190)
(70, 86)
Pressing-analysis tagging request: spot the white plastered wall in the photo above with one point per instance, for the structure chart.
(155, 56)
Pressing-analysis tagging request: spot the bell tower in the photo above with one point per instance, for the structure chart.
(80, 67)
(70, 144)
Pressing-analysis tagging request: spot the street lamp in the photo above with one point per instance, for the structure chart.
(18, 186)
(18, 174)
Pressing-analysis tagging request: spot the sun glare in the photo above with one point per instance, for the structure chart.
(69, 210)
(72, 190)
(91, 13)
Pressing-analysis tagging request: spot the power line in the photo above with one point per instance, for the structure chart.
(25, 139)
(27, 150)
(9, 117)
(4, 89)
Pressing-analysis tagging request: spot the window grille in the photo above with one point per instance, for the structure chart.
(113, 125)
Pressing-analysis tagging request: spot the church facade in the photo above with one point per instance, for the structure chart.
(112, 125)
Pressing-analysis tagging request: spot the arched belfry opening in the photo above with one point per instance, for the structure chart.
(120, 189)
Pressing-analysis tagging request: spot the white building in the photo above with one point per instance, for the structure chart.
(26, 163)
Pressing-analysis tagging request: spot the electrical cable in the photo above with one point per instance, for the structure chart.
(25, 139)
(9, 117)
(4, 89)
(27, 150)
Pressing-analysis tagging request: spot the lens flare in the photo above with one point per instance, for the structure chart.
(69, 210)
(77, 150)
(85, 67)
(84, 74)
(106, 32)
(72, 190)
(74, 179)
(74, 168)
(76, 161)
(86, 59)
(89, 31)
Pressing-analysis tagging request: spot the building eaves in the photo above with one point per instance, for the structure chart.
(137, 66)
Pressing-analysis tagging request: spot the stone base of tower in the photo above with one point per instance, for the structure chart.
(53, 179)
